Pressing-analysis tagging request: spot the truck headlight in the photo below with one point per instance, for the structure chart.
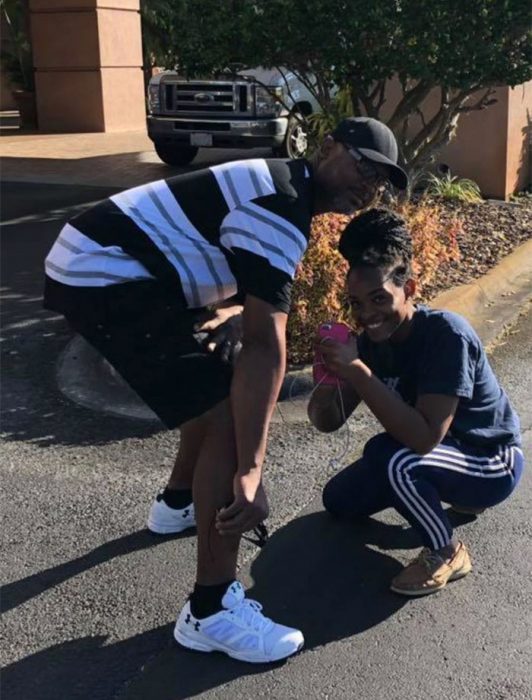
(154, 99)
(267, 101)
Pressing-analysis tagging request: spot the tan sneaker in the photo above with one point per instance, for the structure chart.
(429, 572)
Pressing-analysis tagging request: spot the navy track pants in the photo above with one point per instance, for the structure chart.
(389, 475)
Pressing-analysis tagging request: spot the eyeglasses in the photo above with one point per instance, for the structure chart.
(366, 168)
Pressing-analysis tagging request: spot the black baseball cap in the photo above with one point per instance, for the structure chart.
(375, 141)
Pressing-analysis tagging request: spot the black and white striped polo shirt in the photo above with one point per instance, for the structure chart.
(237, 227)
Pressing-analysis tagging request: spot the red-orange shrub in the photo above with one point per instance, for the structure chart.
(434, 238)
(319, 289)
(318, 292)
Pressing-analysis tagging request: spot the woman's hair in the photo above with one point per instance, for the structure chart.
(379, 238)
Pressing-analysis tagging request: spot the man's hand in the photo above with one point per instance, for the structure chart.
(248, 509)
(338, 357)
(224, 326)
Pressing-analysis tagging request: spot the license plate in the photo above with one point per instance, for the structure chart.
(201, 139)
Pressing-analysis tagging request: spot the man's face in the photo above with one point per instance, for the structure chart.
(345, 184)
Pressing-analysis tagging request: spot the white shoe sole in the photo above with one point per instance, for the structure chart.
(160, 529)
(196, 645)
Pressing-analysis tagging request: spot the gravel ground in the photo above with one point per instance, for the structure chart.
(490, 231)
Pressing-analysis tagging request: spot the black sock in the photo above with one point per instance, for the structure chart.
(176, 498)
(207, 600)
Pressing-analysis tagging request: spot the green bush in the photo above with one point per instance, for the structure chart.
(449, 187)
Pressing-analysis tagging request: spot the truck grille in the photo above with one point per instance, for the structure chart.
(213, 97)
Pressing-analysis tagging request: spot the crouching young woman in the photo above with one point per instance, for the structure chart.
(449, 432)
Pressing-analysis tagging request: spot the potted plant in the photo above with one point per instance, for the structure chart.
(17, 59)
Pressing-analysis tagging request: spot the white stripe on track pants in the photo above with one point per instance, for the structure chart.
(391, 475)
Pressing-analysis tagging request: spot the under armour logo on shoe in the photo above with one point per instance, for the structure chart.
(187, 619)
(197, 626)
(185, 513)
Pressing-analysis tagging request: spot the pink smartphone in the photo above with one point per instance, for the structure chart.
(338, 332)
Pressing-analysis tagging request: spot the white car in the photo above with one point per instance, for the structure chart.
(247, 109)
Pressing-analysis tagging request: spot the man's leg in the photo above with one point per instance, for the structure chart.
(218, 616)
(212, 490)
(192, 434)
(172, 511)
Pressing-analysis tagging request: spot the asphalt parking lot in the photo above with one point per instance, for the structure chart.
(90, 597)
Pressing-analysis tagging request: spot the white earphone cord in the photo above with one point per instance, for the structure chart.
(334, 462)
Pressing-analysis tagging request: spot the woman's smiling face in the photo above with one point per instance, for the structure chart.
(379, 305)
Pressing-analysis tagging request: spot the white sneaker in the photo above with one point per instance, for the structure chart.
(240, 630)
(164, 520)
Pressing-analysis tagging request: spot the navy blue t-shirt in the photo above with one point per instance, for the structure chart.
(443, 355)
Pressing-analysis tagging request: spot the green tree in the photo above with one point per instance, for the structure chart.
(16, 53)
(347, 53)
(159, 19)
(197, 38)
(456, 52)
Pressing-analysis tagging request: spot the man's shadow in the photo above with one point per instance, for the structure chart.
(316, 574)
(329, 579)
(19, 592)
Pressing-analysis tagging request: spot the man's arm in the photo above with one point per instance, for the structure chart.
(257, 379)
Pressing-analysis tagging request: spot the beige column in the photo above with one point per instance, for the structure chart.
(480, 148)
(492, 146)
(519, 174)
(88, 65)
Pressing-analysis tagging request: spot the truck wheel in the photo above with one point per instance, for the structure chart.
(176, 155)
(296, 139)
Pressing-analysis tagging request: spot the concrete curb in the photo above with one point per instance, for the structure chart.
(490, 304)
(494, 300)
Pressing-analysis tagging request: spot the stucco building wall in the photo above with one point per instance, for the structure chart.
(519, 170)
(480, 147)
(491, 146)
(88, 65)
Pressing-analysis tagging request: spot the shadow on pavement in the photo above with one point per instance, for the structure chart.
(370, 532)
(32, 338)
(316, 574)
(24, 202)
(119, 171)
(18, 592)
(90, 167)
(321, 576)
(81, 668)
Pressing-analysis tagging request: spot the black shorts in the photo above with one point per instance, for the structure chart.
(148, 337)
